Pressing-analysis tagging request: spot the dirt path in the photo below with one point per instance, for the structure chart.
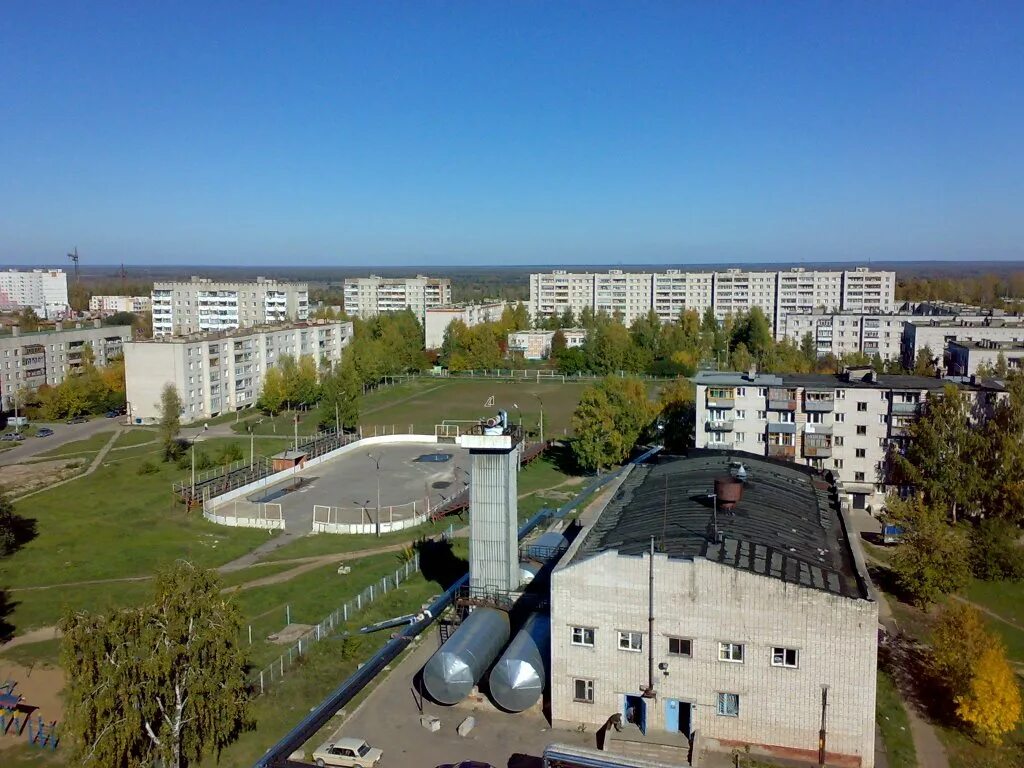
(93, 466)
(988, 612)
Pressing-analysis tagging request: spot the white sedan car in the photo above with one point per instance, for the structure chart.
(347, 753)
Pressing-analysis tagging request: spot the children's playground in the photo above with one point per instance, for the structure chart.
(30, 706)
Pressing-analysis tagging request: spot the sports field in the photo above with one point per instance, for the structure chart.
(423, 403)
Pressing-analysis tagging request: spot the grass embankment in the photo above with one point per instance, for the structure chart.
(891, 717)
(90, 446)
(133, 436)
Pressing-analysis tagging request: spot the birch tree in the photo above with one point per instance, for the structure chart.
(160, 684)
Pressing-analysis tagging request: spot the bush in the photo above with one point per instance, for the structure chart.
(995, 553)
(175, 449)
(148, 468)
(202, 461)
(231, 452)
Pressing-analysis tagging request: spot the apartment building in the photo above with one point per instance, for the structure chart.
(30, 360)
(536, 345)
(366, 297)
(843, 423)
(220, 372)
(841, 333)
(439, 318)
(741, 620)
(633, 294)
(201, 305)
(109, 305)
(964, 358)
(44, 290)
(937, 333)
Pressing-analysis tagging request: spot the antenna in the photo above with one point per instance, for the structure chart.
(74, 257)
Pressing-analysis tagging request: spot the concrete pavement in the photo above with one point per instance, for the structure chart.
(62, 434)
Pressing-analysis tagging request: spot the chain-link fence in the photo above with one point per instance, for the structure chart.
(277, 669)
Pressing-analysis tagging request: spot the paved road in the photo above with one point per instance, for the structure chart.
(62, 434)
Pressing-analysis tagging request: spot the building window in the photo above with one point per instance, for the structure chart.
(883, 418)
(815, 418)
(631, 641)
(785, 657)
(840, 418)
(741, 414)
(741, 436)
(862, 405)
(741, 391)
(861, 452)
(840, 394)
(838, 463)
(762, 414)
(762, 392)
(729, 704)
(837, 440)
(862, 430)
(760, 437)
(858, 476)
(680, 646)
(583, 636)
(730, 652)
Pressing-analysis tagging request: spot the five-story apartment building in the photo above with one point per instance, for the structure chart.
(201, 305)
(366, 297)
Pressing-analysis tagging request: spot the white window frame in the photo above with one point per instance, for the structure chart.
(724, 700)
(588, 690)
(780, 657)
(631, 641)
(727, 652)
(581, 632)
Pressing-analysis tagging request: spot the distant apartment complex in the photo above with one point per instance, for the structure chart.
(30, 360)
(366, 297)
(220, 372)
(44, 290)
(202, 305)
(843, 333)
(113, 304)
(536, 345)
(634, 294)
(844, 423)
(935, 334)
(439, 318)
(965, 358)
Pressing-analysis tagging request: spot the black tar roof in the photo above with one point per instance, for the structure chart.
(787, 525)
(882, 381)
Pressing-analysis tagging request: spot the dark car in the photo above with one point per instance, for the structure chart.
(77, 420)
(112, 414)
(44, 432)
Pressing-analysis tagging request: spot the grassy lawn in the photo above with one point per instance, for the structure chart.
(424, 403)
(135, 436)
(90, 445)
(965, 752)
(282, 424)
(893, 724)
(1003, 597)
(331, 544)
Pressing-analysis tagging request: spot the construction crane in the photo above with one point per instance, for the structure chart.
(74, 257)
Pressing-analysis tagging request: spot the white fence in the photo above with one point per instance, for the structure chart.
(247, 514)
(395, 518)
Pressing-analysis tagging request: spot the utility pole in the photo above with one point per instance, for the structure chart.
(541, 416)
(337, 419)
(376, 462)
(296, 424)
(192, 447)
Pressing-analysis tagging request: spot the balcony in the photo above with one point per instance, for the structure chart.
(781, 428)
(907, 409)
(816, 403)
(721, 398)
(899, 430)
(782, 451)
(817, 447)
(781, 399)
(719, 425)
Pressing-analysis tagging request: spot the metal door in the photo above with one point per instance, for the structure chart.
(672, 715)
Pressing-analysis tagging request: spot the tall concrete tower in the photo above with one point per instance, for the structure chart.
(493, 509)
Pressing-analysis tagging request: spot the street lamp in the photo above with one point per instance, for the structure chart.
(192, 448)
(541, 416)
(376, 462)
(252, 443)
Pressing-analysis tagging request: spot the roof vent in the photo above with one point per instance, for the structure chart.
(728, 491)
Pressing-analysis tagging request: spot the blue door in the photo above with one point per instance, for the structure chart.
(672, 715)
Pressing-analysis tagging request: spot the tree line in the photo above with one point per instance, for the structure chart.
(484, 345)
(92, 389)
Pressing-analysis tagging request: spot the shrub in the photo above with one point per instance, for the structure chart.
(231, 452)
(995, 553)
(147, 468)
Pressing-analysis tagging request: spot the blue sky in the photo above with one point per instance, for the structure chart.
(386, 133)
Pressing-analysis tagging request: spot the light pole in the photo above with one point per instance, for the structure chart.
(192, 449)
(376, 463)
(337, 419)
(252, 443)
(541, 415)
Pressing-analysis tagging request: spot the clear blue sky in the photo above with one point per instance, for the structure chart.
(393, 133)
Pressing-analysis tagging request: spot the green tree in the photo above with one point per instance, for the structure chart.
(170, 419)
(678, 414)
(161, 684)
(609, 420)
(274, 391)
(305, 387)
(925, 363)
(558, 344)
(996, 554)
(941, 458)
(1003, 456)
(340, 395)
(932, 558)
(27, 320)
(755, 331)
(809, 349)
(958, 639)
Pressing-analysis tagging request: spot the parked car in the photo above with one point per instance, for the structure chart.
(112, 414)
(44, 432)
(77, 420)
(8, 436)
(348, 753)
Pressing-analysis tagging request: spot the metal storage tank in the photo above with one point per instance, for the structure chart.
(459, 664)
(528, 572)
(517, 680)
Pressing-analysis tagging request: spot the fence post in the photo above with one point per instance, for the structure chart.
(344, 612)
(282, 665)
(371, 593)
(384, 584)
(261, 681)
(359, 601)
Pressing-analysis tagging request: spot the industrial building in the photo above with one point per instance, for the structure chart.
(366, 297)
(109, 305)
(439, 318)
(200, 305)
(30, 360)
(777, 293)
(44, 290)
(844, 423)
(536, 345)
(219, 372)
(719, 595)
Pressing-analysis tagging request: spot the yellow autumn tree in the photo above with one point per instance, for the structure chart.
(992, 705)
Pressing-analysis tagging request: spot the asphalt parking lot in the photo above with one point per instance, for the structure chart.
(390, 719)
(350, 482)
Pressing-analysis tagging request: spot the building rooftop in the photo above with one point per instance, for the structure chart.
(856, 379)
(786, 526)
(248, 330)
(112, 330)
(989, 344)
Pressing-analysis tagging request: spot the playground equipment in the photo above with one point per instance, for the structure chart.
(43, 735)
(11, 717)
(14, 717)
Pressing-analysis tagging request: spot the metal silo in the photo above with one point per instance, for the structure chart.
(517, 680)
(459, 664)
